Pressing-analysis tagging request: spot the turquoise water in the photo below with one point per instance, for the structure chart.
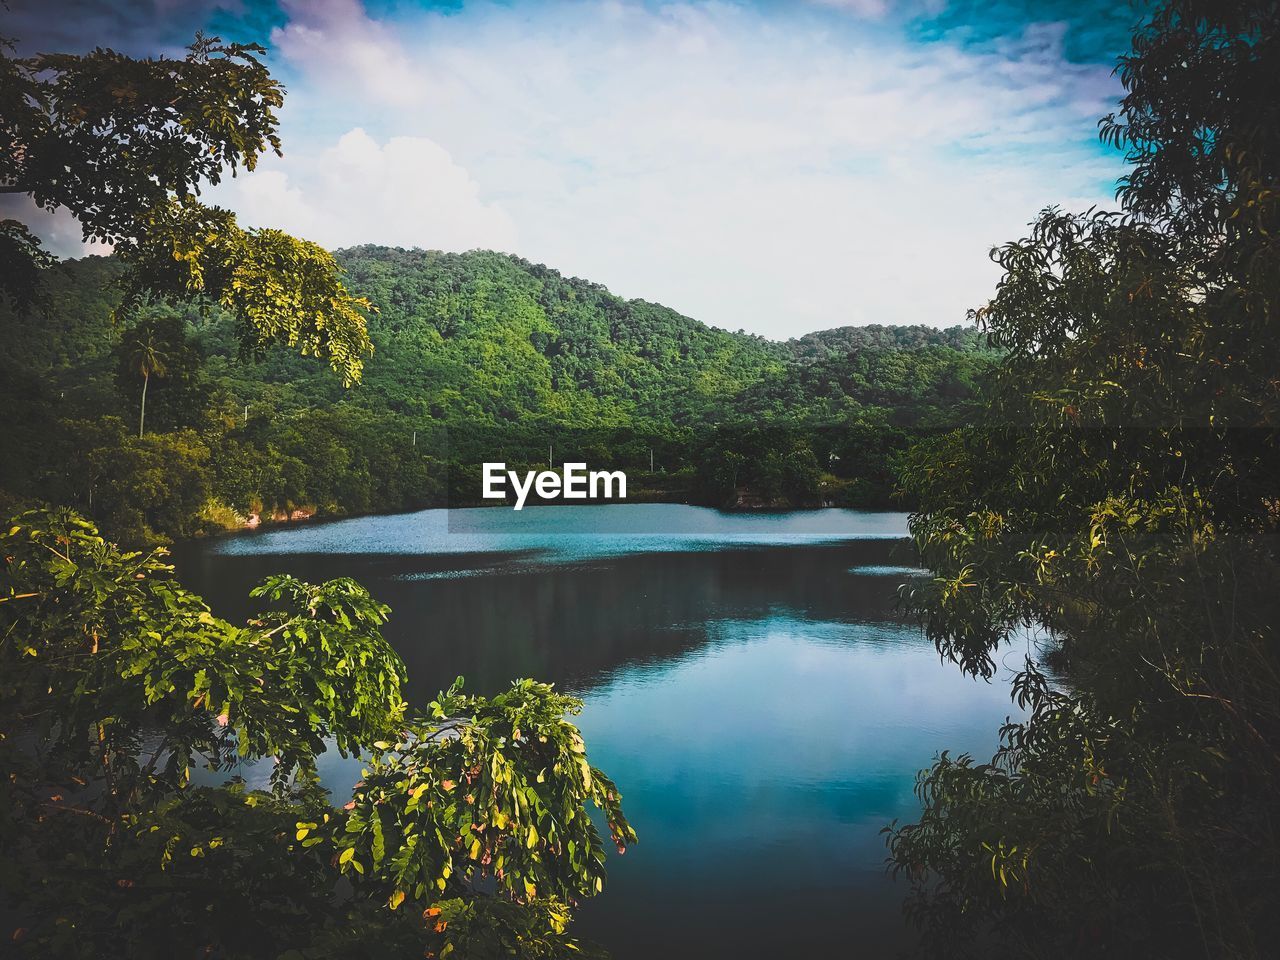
(746, 682)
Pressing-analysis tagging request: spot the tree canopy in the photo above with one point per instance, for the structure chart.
(125, 145)
(469, 830)
(1119, 490)
(476, 353)
(470, 833)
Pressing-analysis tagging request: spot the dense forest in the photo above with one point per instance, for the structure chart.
(1118, 495)
(477, 356)
(1111, 487)
(470, 833)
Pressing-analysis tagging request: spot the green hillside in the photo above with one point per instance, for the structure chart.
(478, 356)
(486, 336)
(841, 341)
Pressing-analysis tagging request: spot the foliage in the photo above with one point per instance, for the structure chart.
(772, 464)
(115, 682)
(875, 338)
(281, 290)
(110, 137)
(492, 789)
(126, 144)
(1119, 490)
(484, 338)
(21, 260)
(158, 361)
(461, 373)
(140, 485)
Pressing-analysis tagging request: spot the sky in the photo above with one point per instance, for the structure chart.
(778, 167)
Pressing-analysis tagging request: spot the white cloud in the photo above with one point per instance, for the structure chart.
(58, 230)
(344, 48)
(755, 169)
(407, 192)
(779, 168)
(872, 9)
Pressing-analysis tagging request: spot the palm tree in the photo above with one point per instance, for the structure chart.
(145, 355)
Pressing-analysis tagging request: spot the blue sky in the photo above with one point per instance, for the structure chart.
(774, 166)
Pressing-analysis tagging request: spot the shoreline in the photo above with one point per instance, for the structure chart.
(747, 503)
(321, 518)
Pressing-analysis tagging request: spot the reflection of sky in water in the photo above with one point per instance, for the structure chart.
(763, 711)
(763, 766)
(759, 770)
(563, 533)
(886, 571)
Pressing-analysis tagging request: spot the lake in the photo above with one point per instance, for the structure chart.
(747, 682)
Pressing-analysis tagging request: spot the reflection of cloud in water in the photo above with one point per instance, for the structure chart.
(750, 683)
(874, 571)
(492, 616)
(553, 534)
(458, 574)
(777, 747)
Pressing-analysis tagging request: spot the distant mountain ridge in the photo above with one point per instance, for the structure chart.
(484, 335)
(479, 356)
(453, 291)
(491, 338)
(815, 345)
(841, 341)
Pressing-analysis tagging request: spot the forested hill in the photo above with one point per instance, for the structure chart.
(484, 335)
(477, 356)
(841, 341)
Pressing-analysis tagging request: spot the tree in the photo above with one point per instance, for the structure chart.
(144, 356)
(21, 261)
(1120, 490)
(158, 347)
(125, 145)
(115, 682)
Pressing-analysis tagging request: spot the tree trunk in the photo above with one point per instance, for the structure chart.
(142, 417)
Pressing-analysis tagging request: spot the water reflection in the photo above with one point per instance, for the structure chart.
(760, 770)
(763, 707)
(570, 623)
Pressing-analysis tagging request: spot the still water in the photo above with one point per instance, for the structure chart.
(746, 681)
